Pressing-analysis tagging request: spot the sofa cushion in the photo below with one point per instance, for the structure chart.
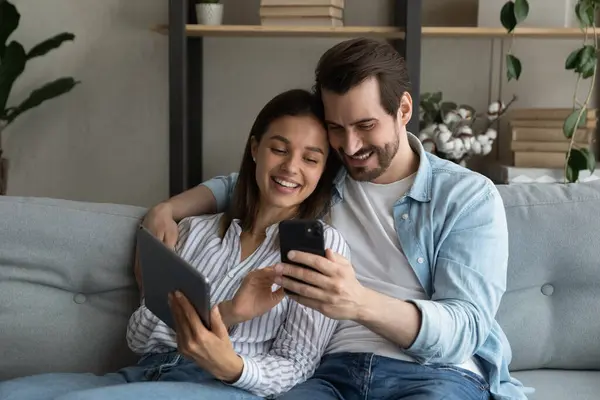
(66, 285)
(561, 385)
(550, 309)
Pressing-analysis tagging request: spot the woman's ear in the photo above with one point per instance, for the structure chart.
(253, 147)
(405, 109)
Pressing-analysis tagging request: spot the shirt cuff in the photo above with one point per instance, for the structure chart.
(427, 343)
(250, 375)
(218, 187)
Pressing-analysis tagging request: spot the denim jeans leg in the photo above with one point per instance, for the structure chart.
(339, 377)
(412, 381)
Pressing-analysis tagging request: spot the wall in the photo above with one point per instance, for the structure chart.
(107, 140)
(243, 73)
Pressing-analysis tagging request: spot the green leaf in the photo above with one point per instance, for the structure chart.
(12, 66)
(448, 106)
(507, 16)
(513, 67)
(590, 158)
(49, 44)
(521, 10)
(587, 62)
(46, 92)
(579, 160)
(569, 126)
(436, 97)
(425, 96)
(573, 60)
(572, 174)
(9, 21)
(585, 13)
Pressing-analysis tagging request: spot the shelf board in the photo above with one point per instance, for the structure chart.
(384, 32)
(479, 32)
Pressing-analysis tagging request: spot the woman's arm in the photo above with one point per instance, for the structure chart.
(298, 347)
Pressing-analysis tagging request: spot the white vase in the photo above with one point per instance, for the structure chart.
(209, 13)
(542, 14)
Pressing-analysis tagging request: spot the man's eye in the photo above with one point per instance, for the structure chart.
(367, 127)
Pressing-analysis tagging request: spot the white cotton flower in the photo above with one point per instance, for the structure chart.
(451, 118)
(483, 139)
(495, 109)
(446, 147)
(465, 113)
(476, 147)
(491, 133)
(465, 130)
(443, 128)
(458, 145)
(486, 149)
(443, 137)
(467, 142)
(430, 129)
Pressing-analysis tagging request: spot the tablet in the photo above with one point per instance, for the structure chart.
(164, 272)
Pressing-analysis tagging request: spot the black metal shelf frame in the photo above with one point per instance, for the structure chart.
(186, 86)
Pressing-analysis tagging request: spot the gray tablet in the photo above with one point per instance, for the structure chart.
(164, 272)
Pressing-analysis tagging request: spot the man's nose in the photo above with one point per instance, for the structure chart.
(352, 142)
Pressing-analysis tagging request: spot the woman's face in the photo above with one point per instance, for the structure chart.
(290, 159)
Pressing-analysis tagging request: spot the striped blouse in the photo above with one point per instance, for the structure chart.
(279, 349)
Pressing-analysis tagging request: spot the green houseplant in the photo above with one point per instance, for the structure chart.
(582, 61)
(13, 59)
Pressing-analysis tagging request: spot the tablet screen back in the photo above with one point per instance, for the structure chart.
(164, 272)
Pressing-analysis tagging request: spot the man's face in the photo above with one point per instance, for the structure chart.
(365, 137)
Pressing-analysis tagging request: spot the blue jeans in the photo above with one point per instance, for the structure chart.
(158, 376)
(354, 376)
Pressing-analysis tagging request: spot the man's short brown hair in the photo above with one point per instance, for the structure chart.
(351, 62)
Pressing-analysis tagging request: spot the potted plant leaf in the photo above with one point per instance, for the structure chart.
(13, 59)
(209, 12)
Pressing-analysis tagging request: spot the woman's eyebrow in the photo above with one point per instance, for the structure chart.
(309, 148)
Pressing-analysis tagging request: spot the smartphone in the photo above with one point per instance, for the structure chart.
(301, 235)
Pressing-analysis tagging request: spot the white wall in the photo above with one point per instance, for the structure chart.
(108, 139)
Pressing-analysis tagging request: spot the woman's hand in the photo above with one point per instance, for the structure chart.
(211, 350)
(160, 222)
(254, 297)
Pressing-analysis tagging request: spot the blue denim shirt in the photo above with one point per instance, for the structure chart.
(452, 228)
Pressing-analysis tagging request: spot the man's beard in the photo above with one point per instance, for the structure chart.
(384, 155)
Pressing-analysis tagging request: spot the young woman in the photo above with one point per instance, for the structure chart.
(261, 343)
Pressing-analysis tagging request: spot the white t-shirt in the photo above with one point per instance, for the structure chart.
(366, 221)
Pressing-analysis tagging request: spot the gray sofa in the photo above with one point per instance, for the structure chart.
(67, 287)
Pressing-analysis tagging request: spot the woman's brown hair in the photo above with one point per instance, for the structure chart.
(246, 195)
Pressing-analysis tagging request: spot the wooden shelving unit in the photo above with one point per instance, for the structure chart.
(384, 32)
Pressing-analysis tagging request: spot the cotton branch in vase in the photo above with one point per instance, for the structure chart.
(457, 133)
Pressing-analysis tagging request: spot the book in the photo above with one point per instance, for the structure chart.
(301, 12)
(546, 114)
(549, 135)
(302, 21)
(523, 146)
(286, 3)
(537, 159)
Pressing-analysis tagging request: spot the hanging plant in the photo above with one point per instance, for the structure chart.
(582, 61)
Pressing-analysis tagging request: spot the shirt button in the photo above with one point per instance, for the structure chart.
(405, 216)
(230, 274)
(420, 260)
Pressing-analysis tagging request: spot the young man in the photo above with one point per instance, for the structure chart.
(429, 245)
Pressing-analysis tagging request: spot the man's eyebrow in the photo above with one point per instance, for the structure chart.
(360, 121)
(310, 148)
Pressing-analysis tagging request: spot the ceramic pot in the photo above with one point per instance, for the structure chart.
(209, 13)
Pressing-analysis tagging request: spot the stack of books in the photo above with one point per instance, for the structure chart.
(327, 13)
(538, 140)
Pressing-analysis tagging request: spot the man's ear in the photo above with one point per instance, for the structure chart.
(406, 108)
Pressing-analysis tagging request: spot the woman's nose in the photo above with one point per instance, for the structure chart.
(291, 164)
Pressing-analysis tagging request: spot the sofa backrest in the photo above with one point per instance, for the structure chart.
(550, 311)
(66, 285)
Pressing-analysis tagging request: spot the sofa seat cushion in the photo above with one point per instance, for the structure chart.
(66, 285)
(561, 384)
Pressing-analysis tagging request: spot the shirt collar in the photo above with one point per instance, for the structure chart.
(421, 187)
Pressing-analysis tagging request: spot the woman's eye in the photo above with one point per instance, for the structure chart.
(312, 160)
(278, 151)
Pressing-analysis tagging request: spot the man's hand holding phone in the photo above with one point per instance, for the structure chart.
(328, 285)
